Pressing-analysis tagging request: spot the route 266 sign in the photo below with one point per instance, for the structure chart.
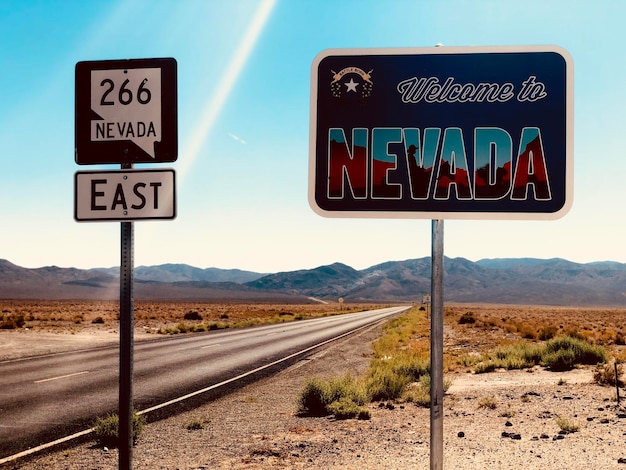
(450, 132)
(126, 111)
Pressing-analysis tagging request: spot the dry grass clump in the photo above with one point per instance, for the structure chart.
(609, 374)
(344, 397)
(106, 429)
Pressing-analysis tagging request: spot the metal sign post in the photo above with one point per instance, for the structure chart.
(126, 113)
(126, 346)
(436, 348)
(442, 133)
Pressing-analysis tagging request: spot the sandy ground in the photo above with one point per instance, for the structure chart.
(500, 420)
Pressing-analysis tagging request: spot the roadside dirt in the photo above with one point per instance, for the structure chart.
(501, 420)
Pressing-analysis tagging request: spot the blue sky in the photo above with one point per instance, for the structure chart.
(244, 70)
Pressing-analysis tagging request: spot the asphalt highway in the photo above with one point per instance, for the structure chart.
(48, 397)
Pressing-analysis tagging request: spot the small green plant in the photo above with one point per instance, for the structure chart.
(488, 402)
(508, 413)
(385, 381)
(346, 408)
(106, 429)
(564, 352)
(566, 425)
(335, 395)
(196, 424)
(419, 392)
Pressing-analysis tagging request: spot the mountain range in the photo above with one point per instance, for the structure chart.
(505, 280)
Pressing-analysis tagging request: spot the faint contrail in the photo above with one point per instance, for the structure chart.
(216, 102)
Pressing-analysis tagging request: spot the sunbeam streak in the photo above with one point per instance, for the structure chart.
(215, 103)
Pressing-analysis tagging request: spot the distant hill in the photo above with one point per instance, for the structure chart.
(514, 281)
(184, 272)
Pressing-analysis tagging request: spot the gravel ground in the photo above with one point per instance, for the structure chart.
(505, 420)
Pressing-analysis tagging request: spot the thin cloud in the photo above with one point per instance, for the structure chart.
(237, 138)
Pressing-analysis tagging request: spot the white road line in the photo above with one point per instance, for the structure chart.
(210, 346)
(61, 377)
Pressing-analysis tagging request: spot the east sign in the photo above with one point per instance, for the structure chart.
(442, 133)
(126, 111)
(124, 195)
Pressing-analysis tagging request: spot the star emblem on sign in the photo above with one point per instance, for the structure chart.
(351, 80)
(351, 85)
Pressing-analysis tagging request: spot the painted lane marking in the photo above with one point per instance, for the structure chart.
(61, 377)
(210, 346)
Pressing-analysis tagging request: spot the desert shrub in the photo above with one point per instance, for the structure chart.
(98, 320)
(385, 383)
(516, 356)
(419, 392)
(488, 402)
(561, 360)
(547, 332)
(345, 408)
(486, 366)
(620, 340)
(527, 331)
(411, 365)
(192, 315)
(605, 374)
(467, 318)
(324, 397)
(564, 352)
(106, 429)
(313, 400)
(575, 334)
(468, 360)
(566, 425)
(12, 322)
(195, 424)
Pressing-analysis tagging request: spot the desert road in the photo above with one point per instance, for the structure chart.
(48, 397)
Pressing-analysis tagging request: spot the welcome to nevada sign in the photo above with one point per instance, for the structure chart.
(446, 132)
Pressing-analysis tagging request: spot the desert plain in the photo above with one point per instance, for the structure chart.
(504, 418)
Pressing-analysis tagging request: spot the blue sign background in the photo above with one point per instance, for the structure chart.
(368, 89)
